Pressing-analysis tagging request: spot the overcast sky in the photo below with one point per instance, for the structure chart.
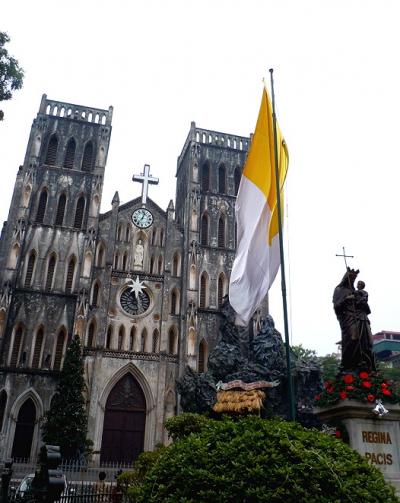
(163, 64)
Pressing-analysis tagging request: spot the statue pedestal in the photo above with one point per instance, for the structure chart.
(376, 439)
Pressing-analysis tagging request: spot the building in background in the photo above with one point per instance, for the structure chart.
(386, 346)
(141, 285)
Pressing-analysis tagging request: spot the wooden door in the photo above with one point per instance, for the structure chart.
(24, 430)
(124, 422)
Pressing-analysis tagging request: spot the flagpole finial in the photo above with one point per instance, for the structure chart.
(271, 70)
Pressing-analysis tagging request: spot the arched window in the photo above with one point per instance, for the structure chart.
(154, 237)
(119, 232)
(132, 339)
(100, 255)
(205, 177)
(91, 335)
(116, 260)
(95, 295)
(201, 364)
(70, 154)
(221, 179)
(221, 232)
(174, 302)
(29, 270)
(176, 265)
(160, 264)
(143, 341)
(60, 209)
(70, 275)
(87, 160)
(238, 176)
(3, 403)
(50, 272)
(221, 289)
(172, 341)
(41, 209)
(51, 154)
(204, 229)
(109, 337)
(37, 350)
(127, 233)
(16, 348)
(124, 261)
(121, 338)
(80, 207)
(203, 290)
(156, 342)
(58, 357)
(161, 237)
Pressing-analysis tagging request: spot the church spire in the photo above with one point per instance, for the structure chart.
(115, 199)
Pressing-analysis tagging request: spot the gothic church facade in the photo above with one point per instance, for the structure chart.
(141, 285)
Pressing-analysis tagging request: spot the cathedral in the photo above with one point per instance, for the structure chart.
(141, 285)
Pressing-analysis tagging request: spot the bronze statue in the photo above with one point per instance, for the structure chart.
(352, 310)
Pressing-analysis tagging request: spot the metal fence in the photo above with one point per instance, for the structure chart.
(74, 471)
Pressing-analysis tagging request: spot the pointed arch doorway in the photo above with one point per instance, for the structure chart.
(124, 422)
(24, 431)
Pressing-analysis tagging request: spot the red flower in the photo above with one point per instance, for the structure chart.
(348, 378)
(338, 434)
(367, 384)
(318, 397)
(327, 384)
(370, 398)
(384, 385)
(386, 392)
(364, 375)
(350, 388)
(343, 395)
(330, 390)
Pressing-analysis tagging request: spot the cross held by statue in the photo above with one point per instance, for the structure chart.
(145, 179)
(344, 256)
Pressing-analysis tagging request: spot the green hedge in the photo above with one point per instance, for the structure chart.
(256, 460)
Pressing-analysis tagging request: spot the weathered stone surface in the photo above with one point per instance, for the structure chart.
(237, 357)
(376, 439)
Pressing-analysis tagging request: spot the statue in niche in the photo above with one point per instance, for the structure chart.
(352, 309)
(139, 255)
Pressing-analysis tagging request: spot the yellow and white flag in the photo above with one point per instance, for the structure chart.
(257, 254)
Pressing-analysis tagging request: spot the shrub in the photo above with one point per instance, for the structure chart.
(256, 460)
(130, 482)
(184, 424)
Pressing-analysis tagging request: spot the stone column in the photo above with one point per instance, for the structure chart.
(376, 439)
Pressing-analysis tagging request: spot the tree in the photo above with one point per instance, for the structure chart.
(303, 353)
(254, 459)
(66, 421)
(330, 366)
(11, 74)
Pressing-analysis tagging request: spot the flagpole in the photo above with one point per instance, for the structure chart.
(292, 409)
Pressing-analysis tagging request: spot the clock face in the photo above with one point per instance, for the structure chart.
(142, 218)
(135, 305)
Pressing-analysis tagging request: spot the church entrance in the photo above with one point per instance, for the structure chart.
(124, 422)
(24, 430)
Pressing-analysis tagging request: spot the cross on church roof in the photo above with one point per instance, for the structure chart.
(145, 179)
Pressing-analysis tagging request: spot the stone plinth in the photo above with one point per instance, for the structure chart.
(376, 439)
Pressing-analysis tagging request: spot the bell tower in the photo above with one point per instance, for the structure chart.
(48, 242)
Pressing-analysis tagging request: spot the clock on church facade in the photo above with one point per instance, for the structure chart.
(135, 305)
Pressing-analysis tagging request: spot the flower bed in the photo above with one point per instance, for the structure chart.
(363, 386)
